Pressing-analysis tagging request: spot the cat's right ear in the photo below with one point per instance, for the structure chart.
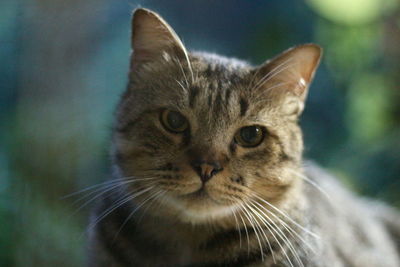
(288, 76)
(152, 37)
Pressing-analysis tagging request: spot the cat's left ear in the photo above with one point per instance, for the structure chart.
(289, 75)
(152, 37)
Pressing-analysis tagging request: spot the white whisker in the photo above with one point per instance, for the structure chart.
(183, 72)
(286, 216)
(280, 234)
(251, 220)
(103, 191)
(247, 233)
(278, 69)
(181, 85)
(93, 187)
(103, 184)
(290, 230)
(105, 188)
(115, 206)
(238, 228)
(266, 238)
(308, 180)
(152, 197)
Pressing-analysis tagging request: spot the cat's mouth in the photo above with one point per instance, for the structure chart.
(200, 193)
(201, 204)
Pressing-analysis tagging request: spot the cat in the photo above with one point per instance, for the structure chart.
(208, 168)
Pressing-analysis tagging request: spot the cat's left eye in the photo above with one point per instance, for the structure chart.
(250, 136)
(174, 121)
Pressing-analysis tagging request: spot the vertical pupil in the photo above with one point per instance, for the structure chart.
(175, 120)
(249, 133)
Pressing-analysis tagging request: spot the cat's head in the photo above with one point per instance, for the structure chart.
(206, 133)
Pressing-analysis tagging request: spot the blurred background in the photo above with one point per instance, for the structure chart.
(63, 66)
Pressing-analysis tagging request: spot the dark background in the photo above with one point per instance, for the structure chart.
(63, 65)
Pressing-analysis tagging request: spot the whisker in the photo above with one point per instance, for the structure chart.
(268, 89)
(117, 205)
(101, 184)
(278, 69)
(77, 209)
(188, 63)
(181, 85)
(286, 216)
(247, 233)
(238, 228)
(111, 185)
(280, 234)
(308, 180)
(102, 192)
(154, 196)
(152, 201)
(92, 187)
(287, 227)
(183, 72)
(265, 236)
(190, 68)
(285, 239)
(251, 220)
(266, 75)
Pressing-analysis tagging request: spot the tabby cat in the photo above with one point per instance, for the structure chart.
(208, 168)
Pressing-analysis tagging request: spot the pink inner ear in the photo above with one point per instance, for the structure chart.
(294, 67)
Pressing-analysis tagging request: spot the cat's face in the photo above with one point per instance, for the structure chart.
(206, 133)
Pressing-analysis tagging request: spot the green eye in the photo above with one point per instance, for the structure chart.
(250, 136)
(173, 121)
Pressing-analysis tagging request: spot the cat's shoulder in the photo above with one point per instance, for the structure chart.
(331, 194)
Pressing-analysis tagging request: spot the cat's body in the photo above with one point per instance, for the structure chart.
(208, 154)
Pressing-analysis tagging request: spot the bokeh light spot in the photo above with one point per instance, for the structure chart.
(352, 12)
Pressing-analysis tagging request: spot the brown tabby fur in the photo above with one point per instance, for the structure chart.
(265, 208)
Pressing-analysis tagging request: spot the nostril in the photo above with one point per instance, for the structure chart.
(217, 167)
(215, 171)
(206, 170)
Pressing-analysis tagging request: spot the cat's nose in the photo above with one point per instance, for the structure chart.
(206, 170)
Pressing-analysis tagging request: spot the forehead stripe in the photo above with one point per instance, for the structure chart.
(192, 95)
(244, 105)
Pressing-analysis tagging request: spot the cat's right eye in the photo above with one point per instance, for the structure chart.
(174, 121)
(250, 136)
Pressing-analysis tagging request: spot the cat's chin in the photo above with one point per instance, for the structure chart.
(198, 207)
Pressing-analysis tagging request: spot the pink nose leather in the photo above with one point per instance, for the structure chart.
(206, 170)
